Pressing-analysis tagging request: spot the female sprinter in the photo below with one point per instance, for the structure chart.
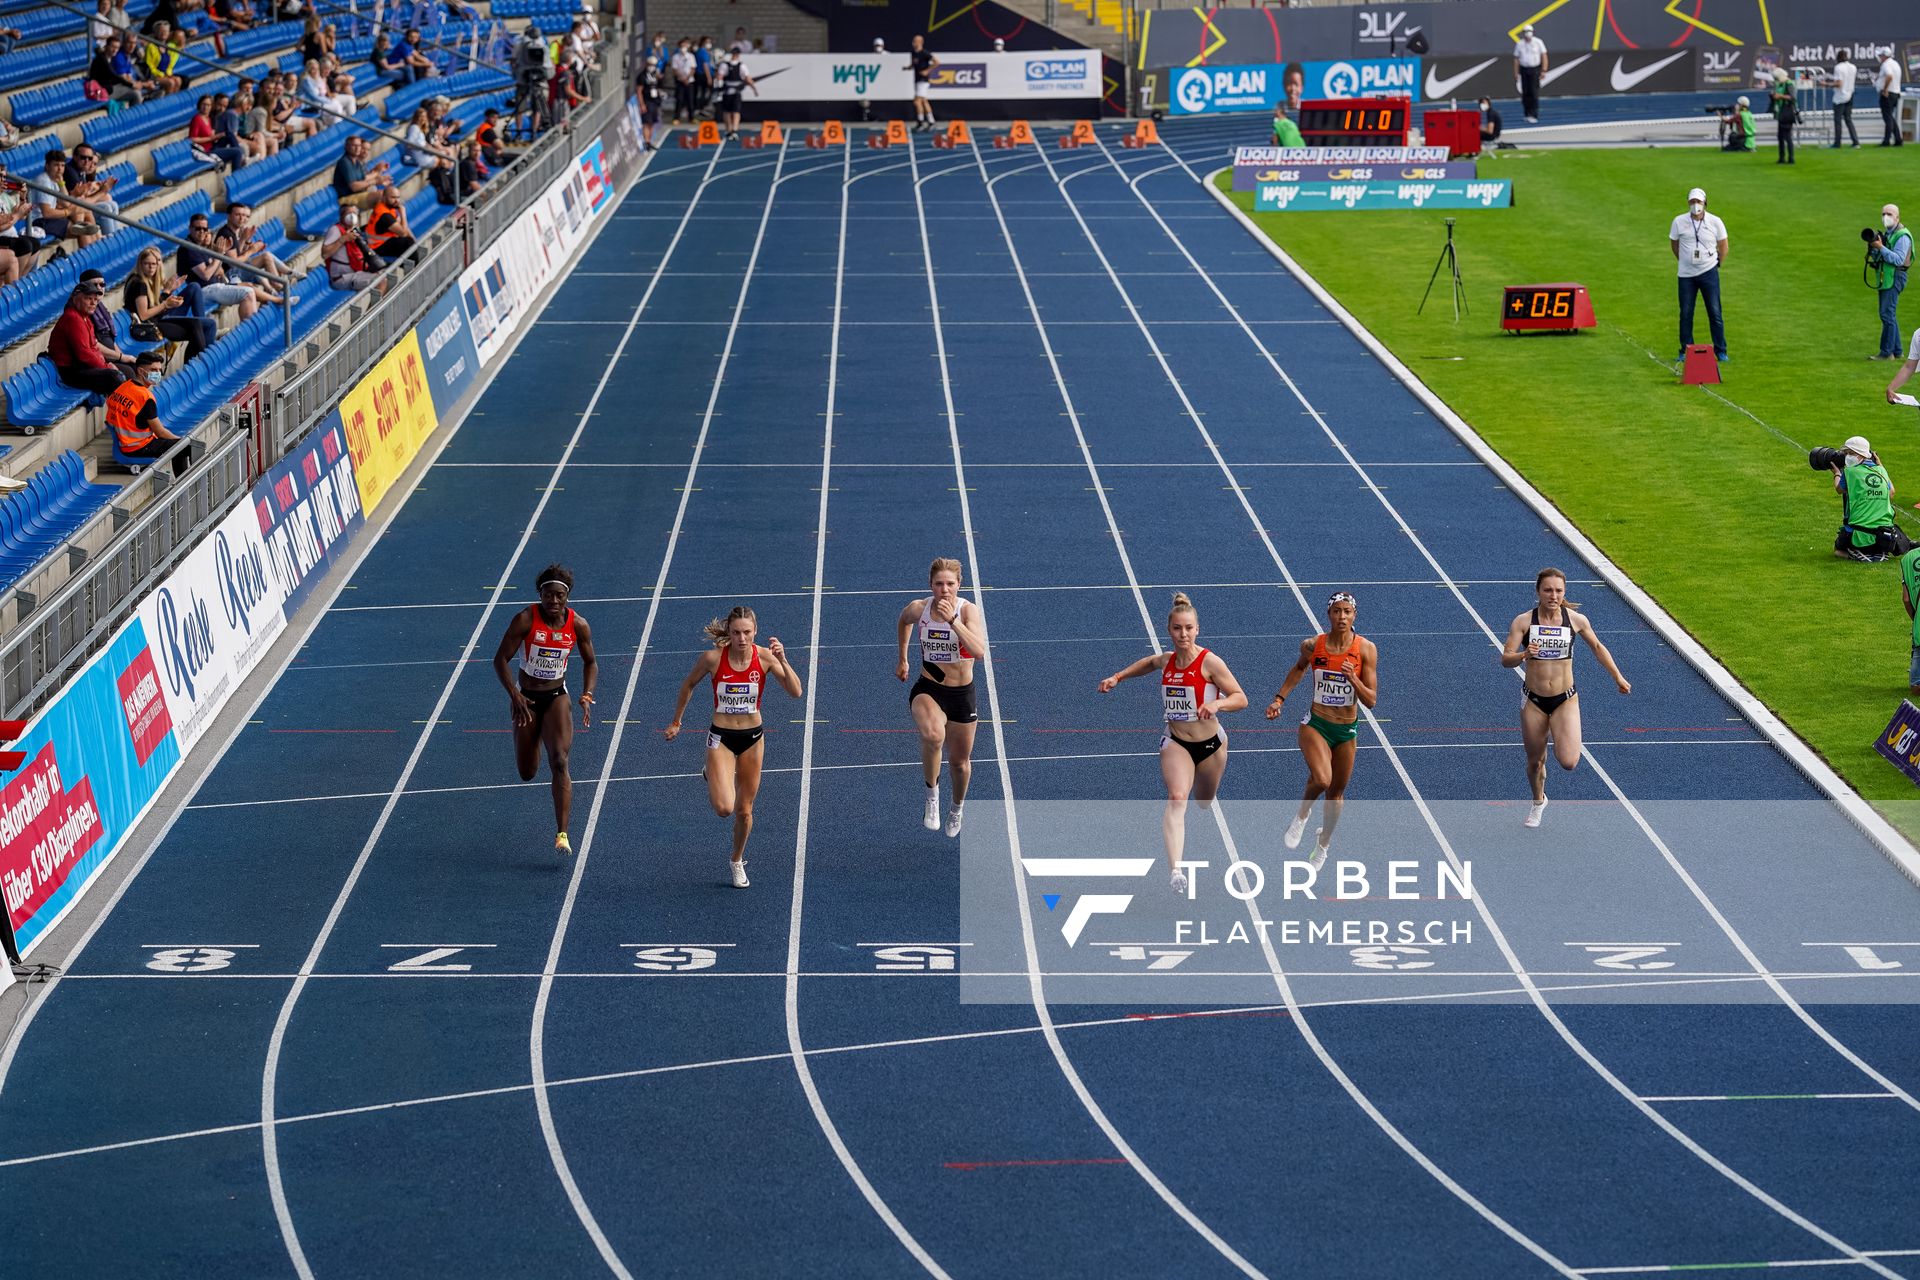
(735, 748)
(1346, 677)
(1543, 640)
(1195, 687)
(952, 635)
(545, 635)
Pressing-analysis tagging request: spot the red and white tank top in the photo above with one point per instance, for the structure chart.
(1333, 673)
(1183, 689)
(547, 648)
(939, 642)
(736, 692)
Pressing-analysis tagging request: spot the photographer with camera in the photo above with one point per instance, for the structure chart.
(1867, 531)
(1889, 253)
(1736, 126)
(1699, 243)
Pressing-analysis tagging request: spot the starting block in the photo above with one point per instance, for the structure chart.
(877, 142)
(1000, 142)
(941, 142)
(752, 143)
(688, 142)
(815, 142)
(1069, 143)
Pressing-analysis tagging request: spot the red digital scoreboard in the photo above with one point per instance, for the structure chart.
(1355, 122)
(1563, 307)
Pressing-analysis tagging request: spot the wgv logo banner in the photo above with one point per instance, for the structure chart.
(1485, 193)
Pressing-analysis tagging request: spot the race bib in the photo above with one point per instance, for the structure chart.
(1179, 702)
(1552, 643)
(940, 643)
(1332, 689)
(736, 698)
(545, 664)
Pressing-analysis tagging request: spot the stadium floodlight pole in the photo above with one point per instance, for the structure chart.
(300, 95)
(101, 211)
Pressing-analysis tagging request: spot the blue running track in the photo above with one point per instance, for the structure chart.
(353, 1018)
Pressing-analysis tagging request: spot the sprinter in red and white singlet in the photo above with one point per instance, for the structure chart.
(545, 637)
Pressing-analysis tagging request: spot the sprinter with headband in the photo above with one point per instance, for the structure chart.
(545, 635)
(1346, 677)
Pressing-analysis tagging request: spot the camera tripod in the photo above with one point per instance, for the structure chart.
(1448, 258)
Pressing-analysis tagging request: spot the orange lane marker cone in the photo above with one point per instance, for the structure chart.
(709, 134)
(1083, 131)
(833, 134)
(957, 135)
(1021, 135)
(897, 133)
(1146, 132)
(770, 135)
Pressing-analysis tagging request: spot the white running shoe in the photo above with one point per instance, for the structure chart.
(1295, 829)
(932, 819)
(953, 822)
(1318, 856)
(739, 873)
(1533, 814)
(1179, 884)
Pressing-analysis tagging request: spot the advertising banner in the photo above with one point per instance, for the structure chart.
(388, 415)
(308, 507)
(447, 347)
(1900, 744)
(883, 77)
(1575, 75)
(1210, 89)
(96, 758)
(1321, 196)
(212, 619)
(1255, 165)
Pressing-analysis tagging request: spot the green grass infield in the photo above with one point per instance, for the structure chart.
(1702, 495)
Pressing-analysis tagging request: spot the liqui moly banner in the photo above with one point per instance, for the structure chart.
(1255, 165)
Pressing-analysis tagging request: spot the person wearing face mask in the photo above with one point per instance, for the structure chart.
(134, 419)
(1699, 241)
(1490, 125)
(1889, 254)
(1867, 529)
(732, 81)
(351, 262)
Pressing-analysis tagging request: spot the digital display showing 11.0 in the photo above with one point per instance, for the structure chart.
(1360, 119)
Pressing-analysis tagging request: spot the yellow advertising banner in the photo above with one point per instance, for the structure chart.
(388, 416)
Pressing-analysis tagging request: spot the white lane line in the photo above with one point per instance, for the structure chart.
(1706, 903)
(1763, 1097)
(1499, 937)
(1035, 983)
(536, 1036)
(269, 1078)
(1333, 1068)
(634, 1073)
(796, 1044)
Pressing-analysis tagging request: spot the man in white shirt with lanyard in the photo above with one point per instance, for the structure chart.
(1846, 77)
(1699, 241)
(1888, 85)
(1529, 64)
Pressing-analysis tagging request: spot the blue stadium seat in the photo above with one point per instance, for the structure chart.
(264, 179)
(313, 214)
(400, 103)
(28, 160)
(34, 302)
(34, 63)
(175, 162)
(130, 189)
(272, 35)
(47, 103)
(36, 522)
(37, 398)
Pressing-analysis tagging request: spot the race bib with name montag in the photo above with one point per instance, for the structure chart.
(737, 698)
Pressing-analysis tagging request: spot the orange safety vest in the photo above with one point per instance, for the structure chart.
(375, 240)
(124, 407)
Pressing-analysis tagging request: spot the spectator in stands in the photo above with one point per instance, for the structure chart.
(259, 140)
(135, 420)
(57, 217)
(236, 14)
(354, 182)
(316, 38)
(389, 234)
(177, 44)
(576, 50)
(351, 261)
(283, 115)
(1490, 125)
(85, 183)
(105, 71)
(102, 24)
(19, 247)
(381, 47)
(11, 268)
(200, 266)
(200, 136)
(71, 347)
(226, 133)
(163, 11)
(238, 238)
(172, 306)
(101, 319)
(563, 93)
(8, 36)
(420, 150)
(161, 62)
(684, 68)
(313, 82)
(741, 45)
(407, 62)
(342, 101)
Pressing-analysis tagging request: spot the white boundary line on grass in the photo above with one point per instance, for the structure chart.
(1876, 828)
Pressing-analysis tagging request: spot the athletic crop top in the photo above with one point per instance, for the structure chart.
(1550, 643)
(1333, 673)
(547, 648)
(939, 642)
(737, 693)
(1183, 689)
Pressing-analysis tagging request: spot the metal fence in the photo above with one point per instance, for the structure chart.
(42, 652)
(53, 637)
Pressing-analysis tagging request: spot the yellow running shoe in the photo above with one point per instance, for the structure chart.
(562, 846)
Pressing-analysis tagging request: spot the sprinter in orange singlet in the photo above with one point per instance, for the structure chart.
(1346, 677)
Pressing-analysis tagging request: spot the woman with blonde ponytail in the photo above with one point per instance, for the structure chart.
(953, 636)
(1195, 688)
(736, 748)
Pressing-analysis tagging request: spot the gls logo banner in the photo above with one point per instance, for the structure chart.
(960, 75)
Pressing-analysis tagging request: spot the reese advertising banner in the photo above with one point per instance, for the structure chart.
(1312, 197)
(308, 508)
(212, 620)
(96, 758)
